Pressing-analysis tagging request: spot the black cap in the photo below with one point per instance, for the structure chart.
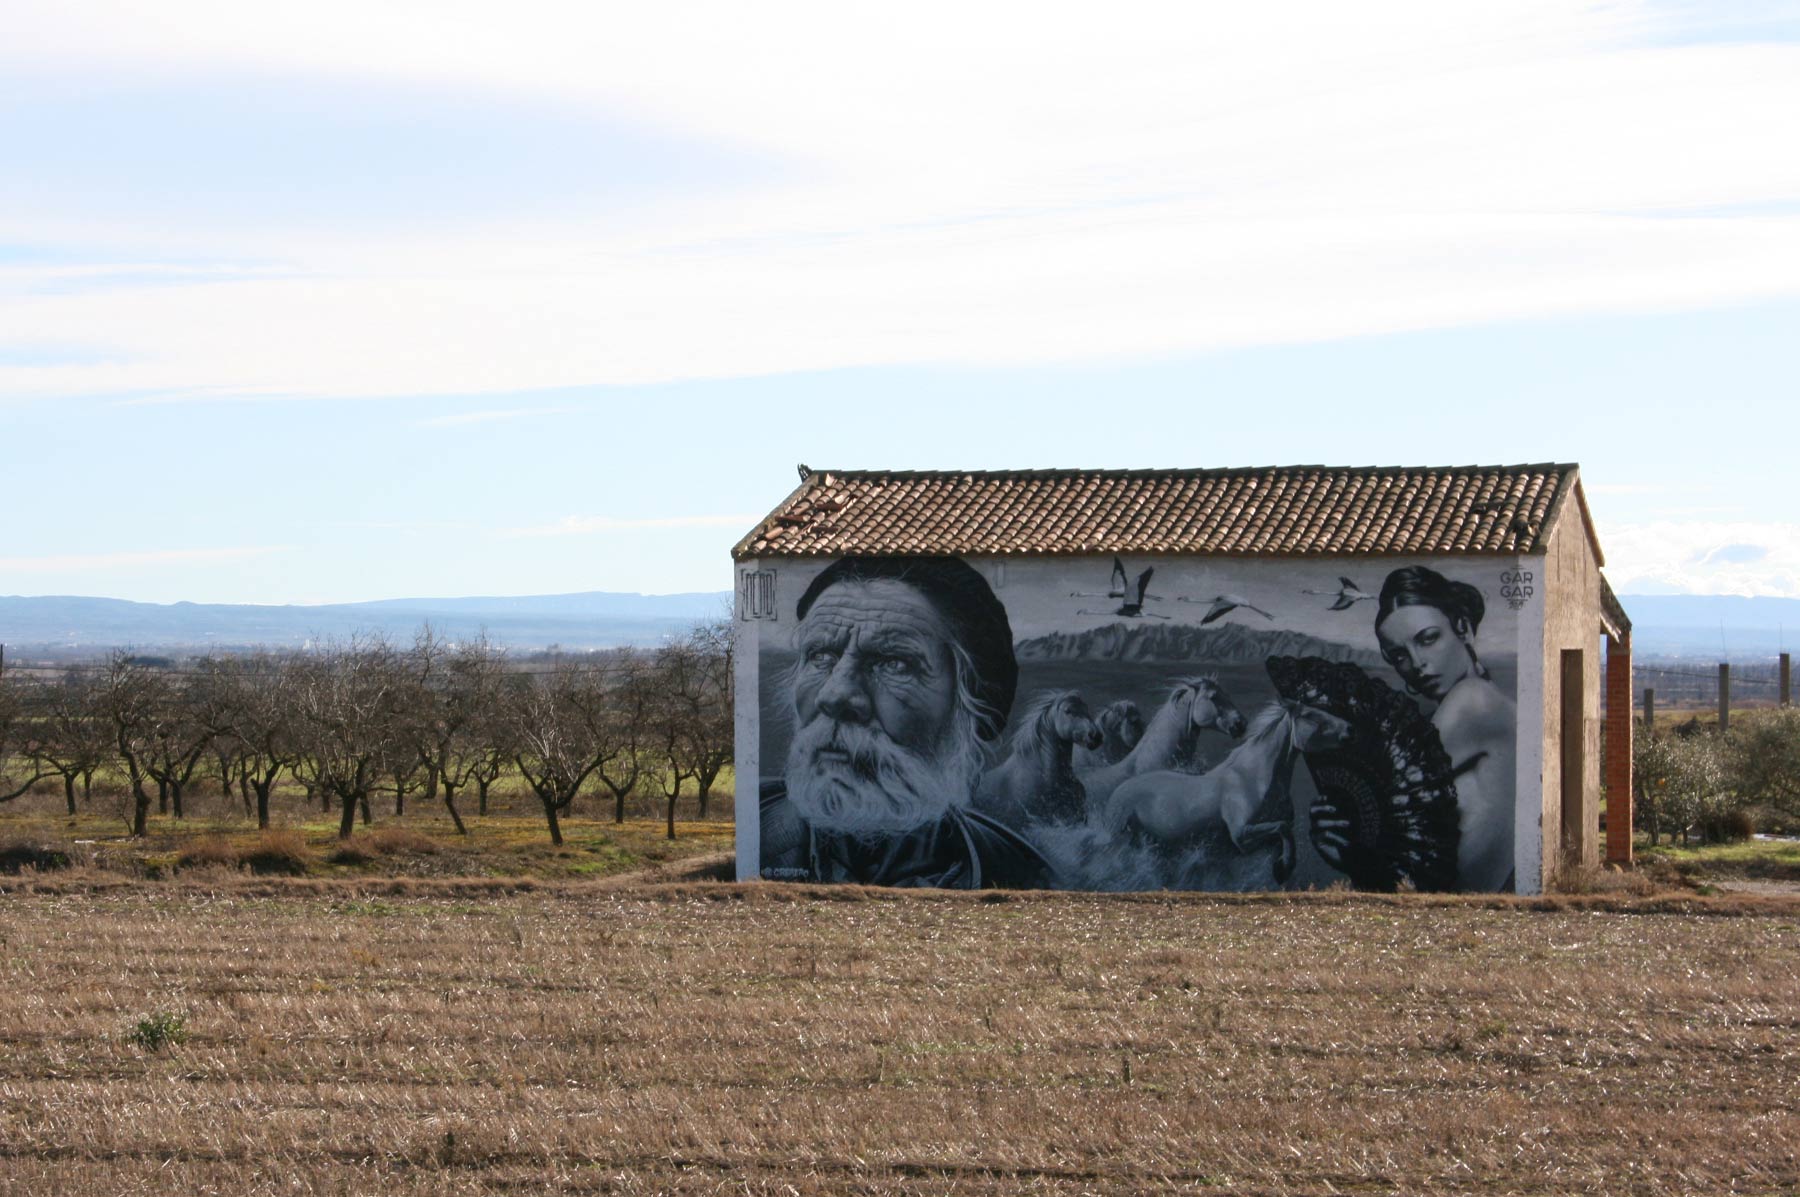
(965, 601)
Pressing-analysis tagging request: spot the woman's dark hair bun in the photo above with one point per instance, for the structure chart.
(1422, 586)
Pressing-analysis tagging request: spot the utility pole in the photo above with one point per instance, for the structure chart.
(1724, 696)
(1785, 701)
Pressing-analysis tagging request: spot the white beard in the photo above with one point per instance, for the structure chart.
(882, 788)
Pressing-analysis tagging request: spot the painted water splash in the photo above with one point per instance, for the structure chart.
(1085, 856)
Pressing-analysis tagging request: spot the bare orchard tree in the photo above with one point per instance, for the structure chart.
(260, 693)
(693, 678)
(556, 717)
(713, 734)
(219, 705)
(130, 695)
(75, 738)
(490, 761)
(21, 763)
(191, 714)
(345, 708)
(671, 768)
(404, 772)
(457, 737)
(625, 726)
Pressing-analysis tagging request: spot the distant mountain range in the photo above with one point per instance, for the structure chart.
(591, 619)
(1225, 644)
(1714, 626)
(1710, 626)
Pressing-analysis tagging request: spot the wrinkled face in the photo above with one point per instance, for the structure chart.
(880, 743)
(1428, 652)
(877, 653)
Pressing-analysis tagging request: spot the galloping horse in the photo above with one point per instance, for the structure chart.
(1037, 780)
(1121, 726)
(1194, 703)
(1247, 794)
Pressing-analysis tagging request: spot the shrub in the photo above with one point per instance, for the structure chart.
(353, 852)
(1682, 783)
(1763, 748)
(1602, 879)
(388, 841)
(279, 852)
(383, 842)
(213, 850)
(41, 858)
(1729, 827)
(162, 1029)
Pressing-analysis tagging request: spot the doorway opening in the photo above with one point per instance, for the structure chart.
(1574, 757)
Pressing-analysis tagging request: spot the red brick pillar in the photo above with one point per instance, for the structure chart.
(1617, 764)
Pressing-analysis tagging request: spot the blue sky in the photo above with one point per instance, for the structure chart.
(352, 303)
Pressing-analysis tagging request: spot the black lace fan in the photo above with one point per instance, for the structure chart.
(1392, 780)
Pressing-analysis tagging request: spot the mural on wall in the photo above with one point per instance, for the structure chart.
(1185, 724)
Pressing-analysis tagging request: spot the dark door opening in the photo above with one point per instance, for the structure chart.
(1574, 757)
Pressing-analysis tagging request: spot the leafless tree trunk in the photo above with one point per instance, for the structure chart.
(694, 712)
(20, 765)
(555, 722)
(346, 706)
(129, 697)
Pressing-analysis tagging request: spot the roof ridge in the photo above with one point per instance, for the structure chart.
(1235, 510)
(1191, 471)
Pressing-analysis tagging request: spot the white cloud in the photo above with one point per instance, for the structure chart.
(460, 419)
(1704, 557)
(970, 184)
(156, 558)
(581, 525)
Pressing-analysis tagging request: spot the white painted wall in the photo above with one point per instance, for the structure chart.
(1038, 595)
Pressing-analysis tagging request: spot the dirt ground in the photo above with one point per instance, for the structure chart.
(439, 1037)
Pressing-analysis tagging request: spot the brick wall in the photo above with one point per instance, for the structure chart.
(1618, 750)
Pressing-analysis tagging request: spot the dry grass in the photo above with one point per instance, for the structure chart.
(216, 836)
(209, 851)
(404, 1036)
(1607, 879)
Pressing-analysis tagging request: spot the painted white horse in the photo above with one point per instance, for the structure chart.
(1247, 794)
(1194, 703)
(1121, 726)
(1037, 779)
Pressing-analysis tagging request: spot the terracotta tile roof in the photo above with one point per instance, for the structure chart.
(1271, 511)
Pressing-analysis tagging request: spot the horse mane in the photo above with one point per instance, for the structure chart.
(1196, 681)
(1267, 719)
(1026, 723)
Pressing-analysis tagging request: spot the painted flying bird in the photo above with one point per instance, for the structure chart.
(1223, 605)
(1130, 609)
(1348, 594)
(1119, 587)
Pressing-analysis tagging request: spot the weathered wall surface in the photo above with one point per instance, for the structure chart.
(946, 722)
(1571, 622)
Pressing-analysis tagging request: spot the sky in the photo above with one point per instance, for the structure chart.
(334, 301)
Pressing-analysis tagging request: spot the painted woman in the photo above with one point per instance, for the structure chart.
(1426, 625)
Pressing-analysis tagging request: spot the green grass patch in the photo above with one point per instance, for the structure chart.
(1763, 860)
(165, 1028)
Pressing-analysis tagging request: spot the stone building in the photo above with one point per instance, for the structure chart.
(1259, 678)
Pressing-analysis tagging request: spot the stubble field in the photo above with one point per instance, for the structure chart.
(442, 1037)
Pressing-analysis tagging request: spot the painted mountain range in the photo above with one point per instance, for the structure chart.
(1228, 644)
